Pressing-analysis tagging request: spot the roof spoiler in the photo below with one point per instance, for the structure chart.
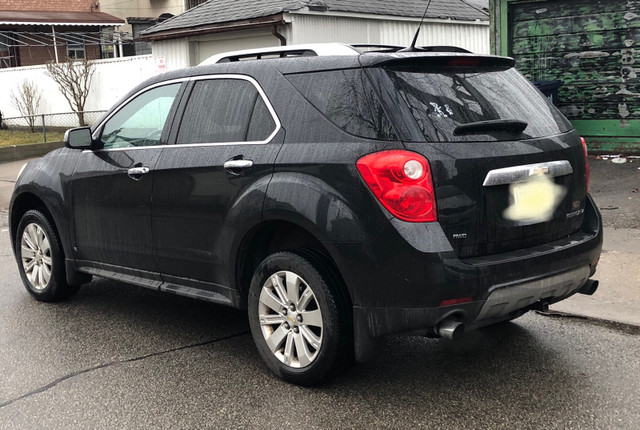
(373, 47)
(458, 61)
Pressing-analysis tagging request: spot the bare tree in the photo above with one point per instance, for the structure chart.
(74, 79)
(27, 101)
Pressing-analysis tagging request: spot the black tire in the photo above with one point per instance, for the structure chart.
(335, 352)
(53, 287)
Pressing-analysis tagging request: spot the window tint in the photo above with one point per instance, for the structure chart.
(347, 98)
(442, 100)
(141, 121)
(225, 110)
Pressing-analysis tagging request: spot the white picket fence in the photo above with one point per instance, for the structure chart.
(112, 79)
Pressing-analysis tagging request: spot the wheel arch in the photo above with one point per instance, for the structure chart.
(281, 235)
(26, 201)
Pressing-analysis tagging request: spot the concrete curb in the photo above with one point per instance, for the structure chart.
(20, 152)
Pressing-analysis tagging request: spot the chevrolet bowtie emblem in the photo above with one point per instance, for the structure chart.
(539, 171)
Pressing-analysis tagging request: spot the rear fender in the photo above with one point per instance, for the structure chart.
(317, 207)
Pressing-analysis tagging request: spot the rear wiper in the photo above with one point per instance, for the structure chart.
(511, 125)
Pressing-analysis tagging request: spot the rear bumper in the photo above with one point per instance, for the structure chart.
(399, 281)
(502, 302)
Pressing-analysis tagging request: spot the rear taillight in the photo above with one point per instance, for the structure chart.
(586, 160)
(401, 181)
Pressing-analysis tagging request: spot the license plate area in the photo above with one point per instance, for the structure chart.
(534, 201)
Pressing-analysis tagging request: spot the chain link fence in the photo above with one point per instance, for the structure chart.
(53, 124)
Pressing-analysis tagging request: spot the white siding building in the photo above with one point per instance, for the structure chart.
(225, 25)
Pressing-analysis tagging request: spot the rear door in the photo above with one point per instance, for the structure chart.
(111, 186)
(508, 169)
(212, 181)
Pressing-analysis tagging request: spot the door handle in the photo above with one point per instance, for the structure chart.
(237, 164)
(137, 171)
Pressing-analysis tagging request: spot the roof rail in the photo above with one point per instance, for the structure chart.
(311, 49)
(317, 49)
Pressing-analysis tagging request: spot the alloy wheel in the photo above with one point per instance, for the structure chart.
(290, 319)
(35, 252)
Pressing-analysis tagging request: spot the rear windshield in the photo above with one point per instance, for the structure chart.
(441, 100)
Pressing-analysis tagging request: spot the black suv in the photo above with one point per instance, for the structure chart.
(338, 198)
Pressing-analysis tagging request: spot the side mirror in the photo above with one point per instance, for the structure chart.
(78, 138)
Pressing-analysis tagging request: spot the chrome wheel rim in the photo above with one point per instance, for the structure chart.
(290, 319)
(35, 251)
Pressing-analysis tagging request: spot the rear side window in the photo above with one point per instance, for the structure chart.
(440, 101)
(347, 99)
(225, 110)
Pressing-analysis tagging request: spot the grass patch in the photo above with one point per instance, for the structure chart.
(21, 137)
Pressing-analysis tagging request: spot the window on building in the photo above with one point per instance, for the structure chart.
(193, 3)
(141, 48)
(76, 50)
(5, 52)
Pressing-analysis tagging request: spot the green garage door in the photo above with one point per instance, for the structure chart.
(593, 46)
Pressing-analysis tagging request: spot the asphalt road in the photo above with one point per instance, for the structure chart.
(123, 357)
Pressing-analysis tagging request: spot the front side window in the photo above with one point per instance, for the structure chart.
(141, 121)
(225, 110)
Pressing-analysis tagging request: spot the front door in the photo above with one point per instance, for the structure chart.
(111, 186)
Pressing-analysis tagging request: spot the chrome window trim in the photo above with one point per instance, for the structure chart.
(265, 99)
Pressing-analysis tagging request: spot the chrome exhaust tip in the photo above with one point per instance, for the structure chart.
(451, 329)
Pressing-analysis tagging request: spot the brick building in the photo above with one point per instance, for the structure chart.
(35, 32)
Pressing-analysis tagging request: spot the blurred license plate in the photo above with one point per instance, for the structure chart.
(533, 196)
(534, 201)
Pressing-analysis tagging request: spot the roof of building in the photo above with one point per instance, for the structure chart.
(34, 17)
(479, 4)
(223, 11)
